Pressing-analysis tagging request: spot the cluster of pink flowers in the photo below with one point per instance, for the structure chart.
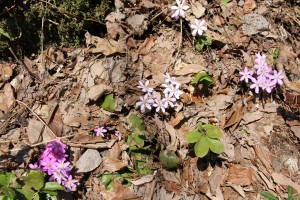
(152, 99)
(264, 77)
(101, 130)
(53, 162)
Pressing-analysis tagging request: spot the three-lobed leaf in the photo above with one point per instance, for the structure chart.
(212, 131)
(34, 179)
(193, 136)
(7, 178)
(202, 77)
(201, 148)
(109, 103)
(136, 122)
(53, 186)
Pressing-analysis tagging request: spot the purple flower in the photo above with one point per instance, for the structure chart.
(145, 102)
(169, 79)
(276, 77)
(57, 176)
(117, 134)
(33, 166)
(47, 164)
(268, 86)
(246, 75)
(178, 11)
(159, 105)
(56, 146)
(260, 66)
(257, 83)
(198, 27)
(100, 131)
(70, 184)
(145, 87)
(260, 58)
(174, 91)
(168, 100)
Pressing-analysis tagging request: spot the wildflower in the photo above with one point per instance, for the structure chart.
(169, 79)
(56, 146)
(246, 74)
(145, 102)
(47, 164)
(168, 100)
(145, 87)
(174, 91)
(178, 11)
(100, 131)
(159, 104)
(260, 58)
(57, 176)
(118, 136)
(70, 184)
(268, 86)
(277, 77)
(62, 167)
(33, 166)
(198, 27)
(264, 72)
(260, 66)
(256, 84)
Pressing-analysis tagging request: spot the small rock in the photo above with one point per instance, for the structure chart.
(254, 23)
(89, 161)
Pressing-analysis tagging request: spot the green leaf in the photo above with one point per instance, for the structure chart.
(168, 159)
(109, 103)
(225, 1)
(7, 178)
(27, 191)
(268, 195)
(290, 190)
(53, 186)
(4, 33)
(10, 193)
(202, 77)
(136, 122)
(212, 131)
(215, 145)
(106, 179)
(201, 147)
(202, 41)
(50, 192)
(3, 197)
(193, 136)
(138, 140)
(34, 179)
(36, 196)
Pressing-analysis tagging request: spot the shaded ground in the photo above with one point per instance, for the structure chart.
(66, 87)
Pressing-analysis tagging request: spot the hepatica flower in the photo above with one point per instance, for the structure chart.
(100, 131)
(198, 27)
(145, 86)
(246, 75)
(178, 11)
(145, 102)
(264, 77)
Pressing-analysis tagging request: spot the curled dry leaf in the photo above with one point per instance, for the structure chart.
(143, 180)
(118, 192)
(112, 164)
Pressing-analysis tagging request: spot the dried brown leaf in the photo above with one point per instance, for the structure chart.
(118, 192)
(239, 175)
(280, 179)
(112, 164)
(7, 98)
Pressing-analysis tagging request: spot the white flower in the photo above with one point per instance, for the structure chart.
(168, 100)
(174, 90)
(169, 79)
(145, 102)
(145, 87)
(198, 27)
(178, 11)
(159, 105)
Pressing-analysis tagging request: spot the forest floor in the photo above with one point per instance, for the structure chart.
(66, 93)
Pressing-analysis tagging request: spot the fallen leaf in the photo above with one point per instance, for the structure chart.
(34, 131)
(112, 164)
(280, 179)
(7, 98)
(143, 180)
(185, 69)
(177, 119)
(197, 9)
(138, 23)
(173, 137)
(89, 161)
(96, 91)
(215, 180)
(249, 5)
(239, 175)
(296, 131)
(265, 156)
(5, 72)
(251, 117)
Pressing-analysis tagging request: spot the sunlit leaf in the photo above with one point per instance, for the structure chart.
(53, 186)
(34, 179)
(212, 131)
(136, 122)
(215, 145)
(201, 148)
(193, 136)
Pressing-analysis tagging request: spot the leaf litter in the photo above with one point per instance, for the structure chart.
(78, 87)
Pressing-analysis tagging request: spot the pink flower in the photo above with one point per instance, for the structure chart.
(117, 134)
(145, 87)
(246, 75)
(174, 91)
(159, 105)
(168, 100)
(178, 11)
(268, 86)
(145, 102)
(70, 184)
(100, 131)
(198, 27)
(260, 58)
(277, 77)
(169, 79)
(33, 166)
